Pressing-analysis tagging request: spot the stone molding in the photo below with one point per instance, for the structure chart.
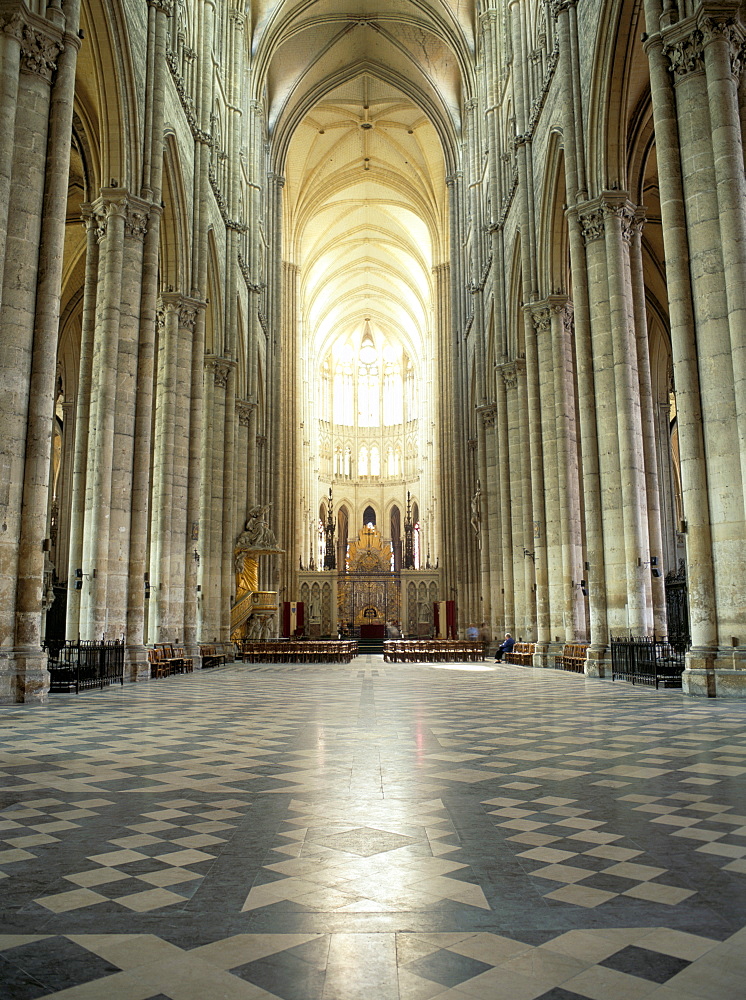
(253, 286)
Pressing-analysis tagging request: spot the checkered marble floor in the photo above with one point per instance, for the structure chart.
(399, 832)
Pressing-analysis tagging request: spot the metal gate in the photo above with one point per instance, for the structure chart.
(677, 610)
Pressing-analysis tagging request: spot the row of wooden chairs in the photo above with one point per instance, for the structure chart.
(166, 659)
(522, 654)
(432, 651)
(303, 651)
(572, 657)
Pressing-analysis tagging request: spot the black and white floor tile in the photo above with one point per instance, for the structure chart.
(321, 832)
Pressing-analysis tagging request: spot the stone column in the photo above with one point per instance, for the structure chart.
(573, 605)
(161, 625)
(182, 551)
(618, 217)
(41, 396)
(723, 40)
(647, 415)
(684, 348)
(492, 608)
(193, 604)
(544, 322)
(111, 215)
(502, 385)
(25, 347)
(11, 35)
(568, 73)
(715, 567)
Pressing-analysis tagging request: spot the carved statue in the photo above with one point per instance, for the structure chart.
(256, 538)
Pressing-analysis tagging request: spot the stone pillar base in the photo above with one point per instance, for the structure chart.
(542, 652)
(598, 662)
(712, 673)
(23, 675)
(136, 665)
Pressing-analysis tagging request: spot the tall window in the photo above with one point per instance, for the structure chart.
(362, 462)
(368, 385)
(393, 388)
(375, 461)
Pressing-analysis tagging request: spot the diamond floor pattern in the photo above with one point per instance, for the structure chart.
(334, 833)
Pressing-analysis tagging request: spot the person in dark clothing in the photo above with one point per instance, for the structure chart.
(505, 647)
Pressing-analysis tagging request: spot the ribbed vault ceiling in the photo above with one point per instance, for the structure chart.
(363, 106)
(365, 215)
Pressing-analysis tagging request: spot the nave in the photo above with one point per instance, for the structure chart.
(369, 830)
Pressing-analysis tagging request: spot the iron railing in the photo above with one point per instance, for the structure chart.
(647, 660)
(79, 665)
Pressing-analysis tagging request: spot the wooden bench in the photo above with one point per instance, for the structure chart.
(572, 657)
(297, 650)
(522, 654)
(212, 654)
(432, 651)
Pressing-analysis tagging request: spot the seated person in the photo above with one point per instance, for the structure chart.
(505, 647)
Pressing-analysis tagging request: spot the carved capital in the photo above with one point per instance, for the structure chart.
(220, 369)
(39, 52)
(541, 318)
(12, 24)
(136, 220)
(561, 7)
(623, 211)
(187, 316)
(511, 371)
(488, 412)
(730, 32)
(164, 6)
(591, 224)
(244, 409)
(686, 54)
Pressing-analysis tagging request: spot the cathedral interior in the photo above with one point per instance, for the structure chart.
(329, 319)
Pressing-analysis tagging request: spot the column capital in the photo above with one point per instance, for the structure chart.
(136, 219)
(162, 6)
(39, 51)
(512, 371)
(561, 7)
(488, 413)
(11, 23)
(244, 409)
(721, 25)
(541, 316)
(683, 47)
(220, 368)
(593, 215)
